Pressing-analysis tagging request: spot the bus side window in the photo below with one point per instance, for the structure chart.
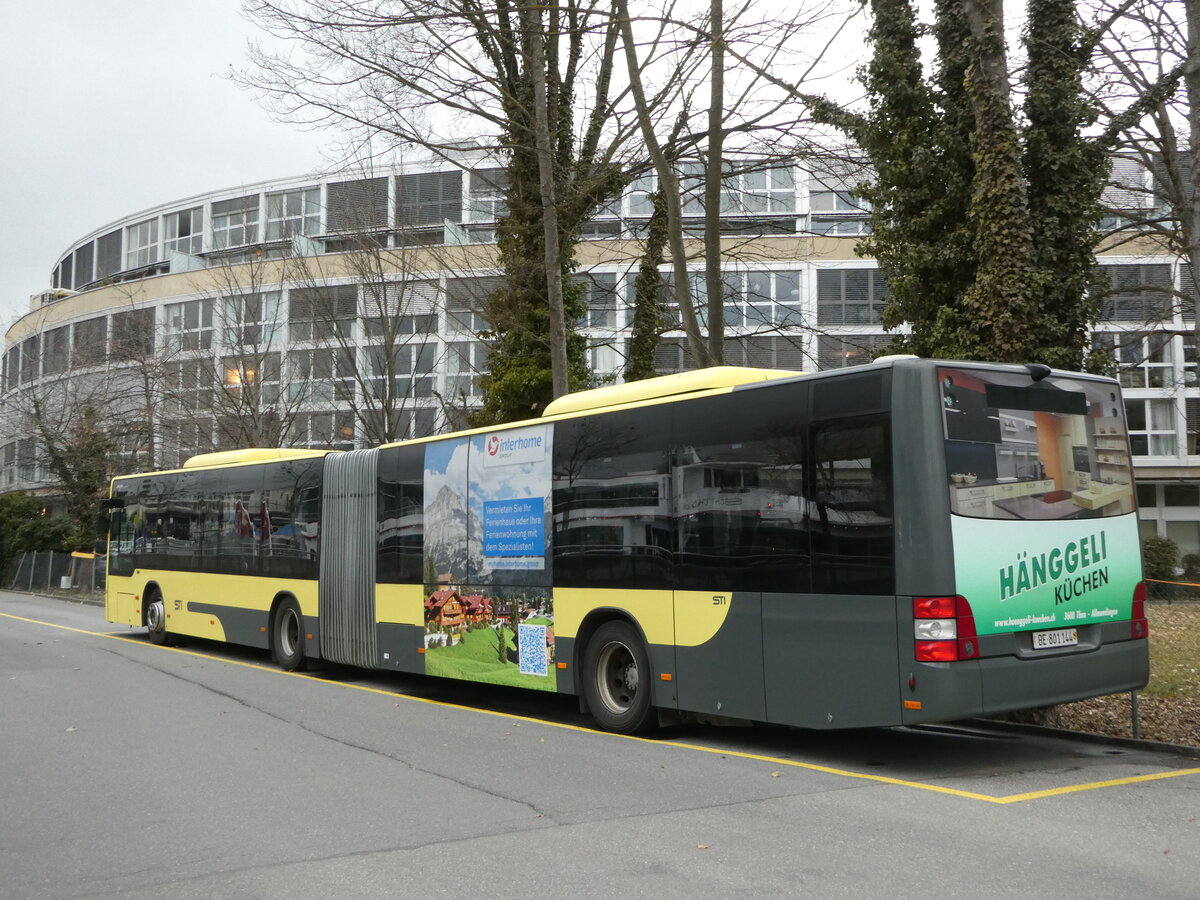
(852, 531)
(120, 543)
(612, 508)
(737, 490)
(400, 516)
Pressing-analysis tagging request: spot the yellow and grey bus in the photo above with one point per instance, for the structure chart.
(905, 542)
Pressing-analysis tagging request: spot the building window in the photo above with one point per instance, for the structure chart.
(671, 355)
(235, 222)
(486, 201)
(188, 326)
(184, 231)
(834, 208)
(188, 388)
(769, 298)
(323, 430)
(12, 361)
(771, 190)
(252, 379)
(327, 312)
(293, 212)
(1137, 293)
(762, 352)
(89, 339)
(1145, 360)
(640, 193)
(600, 298)
(251, 320)
(108, 254)
(466, 301)
(1147, 496)
(27, 461)
(465, 360)
(1151, 427)
(1192, 406)
(850, 296)
(429, 198)
(132, 335)
(84, 257)
(357, 206)
(606, 356)
(321, 376)
(1181, 495)
(399, 308)
(10, 464)
(56, 350)
(31, 352)
(141, 244)
(412, 371)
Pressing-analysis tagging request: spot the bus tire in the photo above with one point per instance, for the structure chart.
(156, 617)
(616, 679)
(287, 636)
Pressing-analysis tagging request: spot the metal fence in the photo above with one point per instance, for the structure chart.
(79, 575)
(1172, 591)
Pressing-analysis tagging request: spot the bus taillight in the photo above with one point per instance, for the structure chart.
(944, 629)
(1139, 627)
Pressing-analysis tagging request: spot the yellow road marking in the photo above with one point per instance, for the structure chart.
(681, 745)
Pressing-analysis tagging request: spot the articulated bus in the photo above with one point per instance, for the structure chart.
(905, 542)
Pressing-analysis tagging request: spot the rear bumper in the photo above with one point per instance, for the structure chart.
(947, 691)
(1010, 683)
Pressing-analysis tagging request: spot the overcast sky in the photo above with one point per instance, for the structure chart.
(112, 107)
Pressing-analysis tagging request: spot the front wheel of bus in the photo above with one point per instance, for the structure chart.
(616, 679)
(287, 636)
(156, 618)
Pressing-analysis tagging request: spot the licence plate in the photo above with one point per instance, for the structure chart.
(1061, 637)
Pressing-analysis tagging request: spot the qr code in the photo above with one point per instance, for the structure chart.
(532, 642)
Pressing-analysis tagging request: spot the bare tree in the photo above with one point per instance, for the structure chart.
(418, 73)
(750, 124)
(1149, 45)
(362, 325)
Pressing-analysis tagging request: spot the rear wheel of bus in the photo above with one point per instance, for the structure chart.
(287, 636)
(616, 679)
(156, 617)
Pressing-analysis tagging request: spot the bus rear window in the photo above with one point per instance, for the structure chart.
(1016, 449)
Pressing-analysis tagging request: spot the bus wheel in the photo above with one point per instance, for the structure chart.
(156, 618)
(616, 679)
(287, 636)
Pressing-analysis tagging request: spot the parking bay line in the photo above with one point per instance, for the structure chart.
(679, 745)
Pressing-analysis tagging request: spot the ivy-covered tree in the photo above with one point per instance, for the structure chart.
(983, 220)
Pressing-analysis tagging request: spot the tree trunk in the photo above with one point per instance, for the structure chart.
(714, 285)
(669, 185)
(1190, 220)
(531, 21)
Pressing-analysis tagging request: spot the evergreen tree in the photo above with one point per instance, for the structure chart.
(983, 227)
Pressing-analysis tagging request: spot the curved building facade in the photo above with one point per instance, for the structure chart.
(344, 311)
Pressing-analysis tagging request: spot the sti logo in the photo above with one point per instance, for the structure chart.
(493, 445)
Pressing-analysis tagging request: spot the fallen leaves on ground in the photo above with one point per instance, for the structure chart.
(1173, 720)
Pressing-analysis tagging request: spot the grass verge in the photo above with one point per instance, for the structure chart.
(1169, 707)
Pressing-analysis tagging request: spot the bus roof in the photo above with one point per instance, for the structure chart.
(249, 455)
(663, 386)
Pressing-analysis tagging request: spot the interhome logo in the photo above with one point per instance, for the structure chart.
(525, 446)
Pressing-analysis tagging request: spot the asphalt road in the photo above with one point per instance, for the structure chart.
(129, 770)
